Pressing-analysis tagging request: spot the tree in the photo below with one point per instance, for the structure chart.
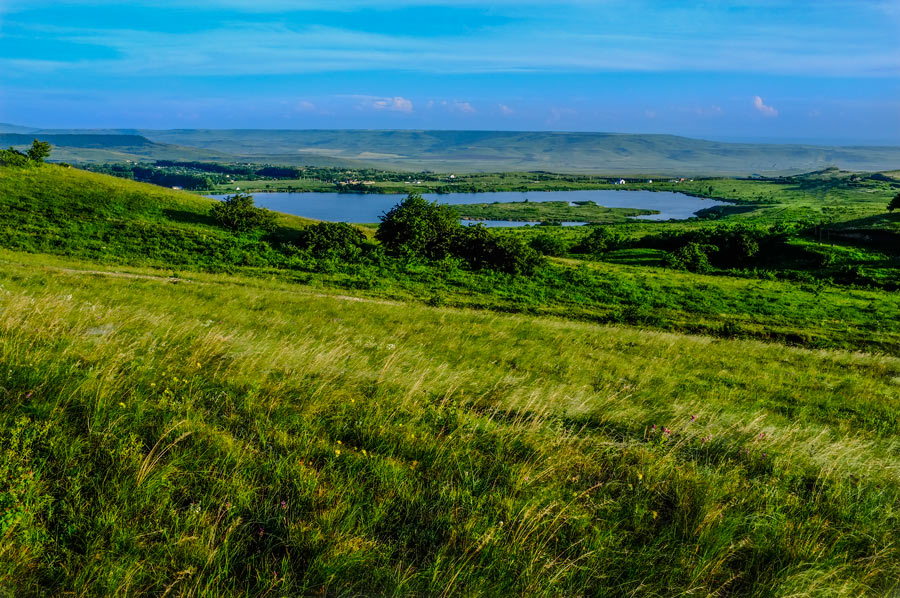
(337, 239)
(239, 214)
(693, 257)
(548, 244)
(39, 151)
(895, 204)
(416, 227)
(482, 249)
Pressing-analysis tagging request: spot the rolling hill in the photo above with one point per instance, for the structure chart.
(477, 151)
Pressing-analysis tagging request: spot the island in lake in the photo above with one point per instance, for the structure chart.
(549, 211)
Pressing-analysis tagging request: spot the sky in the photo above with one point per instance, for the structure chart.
(751, 70)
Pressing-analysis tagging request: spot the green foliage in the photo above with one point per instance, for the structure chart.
(39, 151)
(238, 214)
(693, 257)
(481, 249)
(894, 203)
(551, 245)
(13, 157)
(598, 241)
(416, 227)
(336, 239)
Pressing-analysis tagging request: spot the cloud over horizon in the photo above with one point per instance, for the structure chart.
(763, 109)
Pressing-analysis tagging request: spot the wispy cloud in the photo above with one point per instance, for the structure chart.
(394, 104)
(763, 109)
(505, 110)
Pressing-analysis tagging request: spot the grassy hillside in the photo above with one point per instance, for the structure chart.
(68, 212)
(57, 209)
(305, 425)
(236, 436)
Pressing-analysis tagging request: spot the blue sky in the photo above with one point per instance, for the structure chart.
(826, 70)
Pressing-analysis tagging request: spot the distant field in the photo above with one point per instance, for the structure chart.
(484, 151)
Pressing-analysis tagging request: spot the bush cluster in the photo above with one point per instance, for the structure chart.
(37, 153)
(332, 239)
(418, 228)
(238, 214)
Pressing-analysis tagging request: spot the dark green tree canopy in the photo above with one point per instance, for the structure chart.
(894, 204)
(239, 214)
(39, 151)
(417, 227)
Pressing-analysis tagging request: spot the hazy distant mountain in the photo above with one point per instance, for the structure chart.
(463, 150)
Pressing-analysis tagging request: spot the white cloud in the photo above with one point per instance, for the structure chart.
(505, 110)
(762, 108)
(305, 106)
(395, 104)
(464, 107)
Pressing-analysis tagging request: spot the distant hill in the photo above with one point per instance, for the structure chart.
(473, 151)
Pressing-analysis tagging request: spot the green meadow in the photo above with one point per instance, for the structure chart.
(190, 411)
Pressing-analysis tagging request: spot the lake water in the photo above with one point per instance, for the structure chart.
(366, 208)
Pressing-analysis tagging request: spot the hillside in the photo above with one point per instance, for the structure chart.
(496, 151)
(188, 410)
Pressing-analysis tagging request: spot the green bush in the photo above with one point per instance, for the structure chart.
(237, 213)
(550, 245)
(598, 241)
(894, 204)
(337, 239)
(417, 227)
(13, 157)
(481, 249)
(693, 257)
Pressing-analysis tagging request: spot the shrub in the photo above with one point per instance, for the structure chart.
(894, 204)
(416, 227)
(693, 257)
(598, 241)
(337, 239)
(238, 214)
(550, 245)
(480, 249)
(13, 157)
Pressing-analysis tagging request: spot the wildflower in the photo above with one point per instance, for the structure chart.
(653, 428)
(339, 442)
(640, 476)
(153, 384)
(283, 505)
(337, 453)
(28, 396)
(704, 439)
(655, 514)
(121, 404)
(198, 365)
(693, 417)
(364, 453)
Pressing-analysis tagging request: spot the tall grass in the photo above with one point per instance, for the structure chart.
(229, 436)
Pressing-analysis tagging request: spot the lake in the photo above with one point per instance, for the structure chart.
(367, 208)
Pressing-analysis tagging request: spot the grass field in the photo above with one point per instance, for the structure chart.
(189, 412)
(231, 435)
